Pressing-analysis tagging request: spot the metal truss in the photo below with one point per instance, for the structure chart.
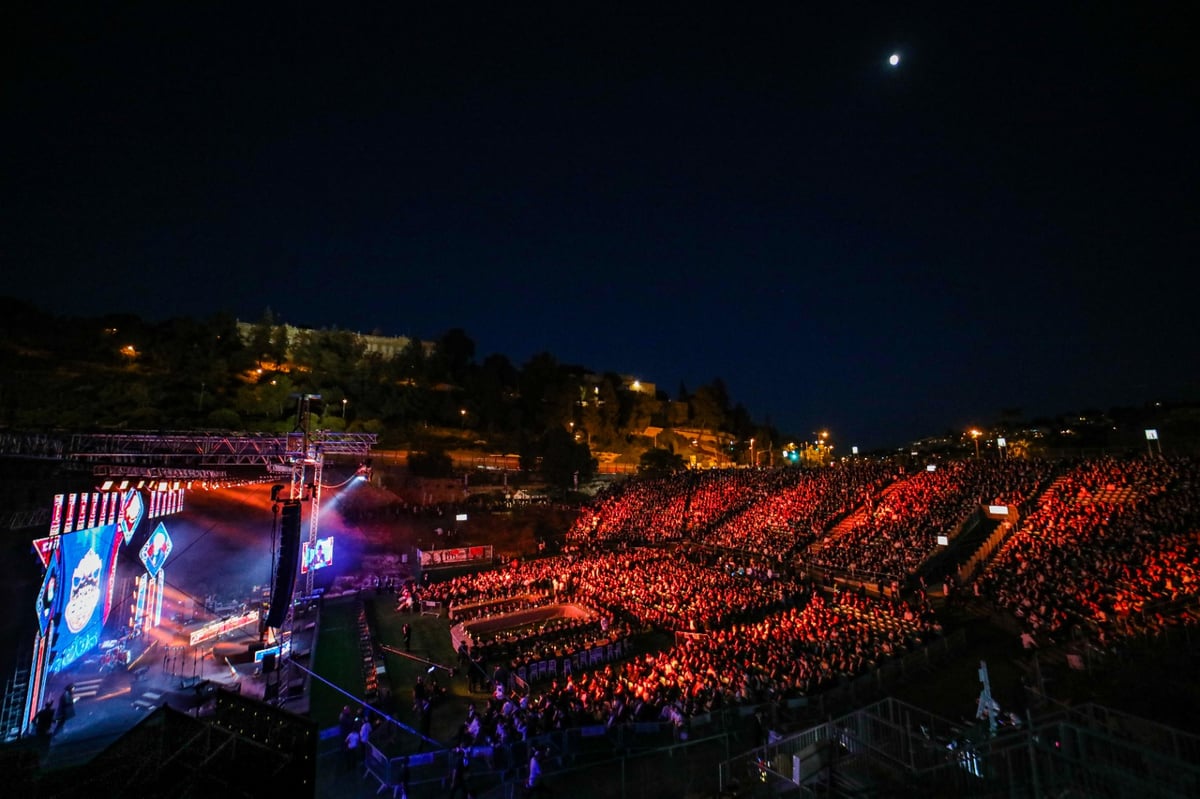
(208, 449)
(189, 455)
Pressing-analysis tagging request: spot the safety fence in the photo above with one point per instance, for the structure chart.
(617, 751)
(606, 760)
(892, 748)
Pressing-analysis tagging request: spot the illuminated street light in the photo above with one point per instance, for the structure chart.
(344, 403)
(975, 435)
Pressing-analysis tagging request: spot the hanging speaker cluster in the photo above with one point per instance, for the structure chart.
(289, 558)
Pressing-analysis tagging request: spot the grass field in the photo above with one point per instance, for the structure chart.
(430, 645)
(336, 658)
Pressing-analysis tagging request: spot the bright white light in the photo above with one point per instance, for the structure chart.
(894, 59)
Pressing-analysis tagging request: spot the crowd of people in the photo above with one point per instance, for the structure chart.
(791, 508)
(765, 511)
(642, 511)
(648, 587)
(1083, 563)
(1100, 543)
(899, 530)
(797, 651)
(550, 638)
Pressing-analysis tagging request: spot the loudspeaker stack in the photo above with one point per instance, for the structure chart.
(289, 558)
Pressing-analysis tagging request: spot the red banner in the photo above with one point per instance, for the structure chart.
(57, 518)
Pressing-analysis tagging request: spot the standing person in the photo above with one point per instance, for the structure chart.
(43, 722)
(351, 745)
(459, 763)
(536, 784)
(425, 713)
(346, 721)
(364, 735)
(402, 777)
(406, 631)
(66, 707)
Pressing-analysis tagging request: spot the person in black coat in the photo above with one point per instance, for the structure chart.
(66, 707)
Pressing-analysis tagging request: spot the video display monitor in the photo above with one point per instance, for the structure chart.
(84, 564)
(48, 601)
(318, 556)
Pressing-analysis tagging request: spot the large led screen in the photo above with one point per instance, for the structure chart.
(86, 562)
(318, 556)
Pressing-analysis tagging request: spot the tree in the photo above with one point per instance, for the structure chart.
(707, 411)
(454, 356)
(494, 389)
(409, 365)
(660, 463)
(261, 335)
(224, 419)
(608, 409)
(546, 394)
(637, 411)
(281, 345)
(432, 463)
(564, 460)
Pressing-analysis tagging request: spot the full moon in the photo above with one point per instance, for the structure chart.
(894, 59)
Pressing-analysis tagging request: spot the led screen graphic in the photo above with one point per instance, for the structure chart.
(132, 509)
(48, 600)
(156, 549)
(317, 556)
(85, 565)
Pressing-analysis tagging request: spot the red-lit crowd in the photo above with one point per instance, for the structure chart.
(789, 509)
(794, 652)
(898, 531)
(1101, 543)
(770, 512)
(645, 587)
(1113, 547)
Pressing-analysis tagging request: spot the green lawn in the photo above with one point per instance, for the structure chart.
(336, 658)
(430, 642)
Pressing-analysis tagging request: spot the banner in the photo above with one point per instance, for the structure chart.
(56, 518)
(83, 511)
(222, 626)
(451, 557)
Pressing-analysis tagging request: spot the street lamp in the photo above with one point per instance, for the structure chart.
(344, 403)
(463, 413)
(975, 435)
(753, 463)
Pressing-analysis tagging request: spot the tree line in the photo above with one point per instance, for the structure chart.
(124, 372)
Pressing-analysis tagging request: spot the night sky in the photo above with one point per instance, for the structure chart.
(1007, 219)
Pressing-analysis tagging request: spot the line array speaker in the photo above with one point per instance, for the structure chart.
(289, 558)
